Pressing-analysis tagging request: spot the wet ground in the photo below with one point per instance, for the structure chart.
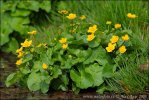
(7, 65)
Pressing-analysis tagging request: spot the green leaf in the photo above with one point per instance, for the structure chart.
(46, 5)
(6, 29)
(34, 81)
(56, 72)
(63, 87)
(17, 23)
(62, 5)
(99, 53)
(67, 65)
(44, 87)
(25, 70)
(27, 58)
(49, 55)
(65, 79)
(44, 58)
(75, 89)
(94, 43)
(31, 5)
(37, 66)
(10, 79)
(20, 12)
(96, 72)
(11, 46)
(108, 70)
(82, 79)
(13, 78)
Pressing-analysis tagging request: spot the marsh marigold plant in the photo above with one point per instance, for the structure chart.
(84, 59)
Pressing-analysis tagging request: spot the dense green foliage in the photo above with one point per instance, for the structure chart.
(16, 20)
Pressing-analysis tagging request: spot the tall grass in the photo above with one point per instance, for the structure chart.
(130, 79)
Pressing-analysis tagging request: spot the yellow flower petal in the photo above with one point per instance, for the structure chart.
(92, 29)
(20, 54)
(19, 50)
(26, 43)
(90, 37)
(64, 46)
(19, 62)
(114, 39)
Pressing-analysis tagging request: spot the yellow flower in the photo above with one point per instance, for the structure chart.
(71, 16)
(125, 37)
(44, 66)
(63, 12)
(122, 49)
(110, 47)
(92, 29)
(26, 43)
(82, 17)
(117, 26)
(108, 22)
(32, 33)
(19, 50)
(132, 16)
(63, 40)
(64, 46)
(114, 39)
(20, 54)
(19, 62)
(90, 37)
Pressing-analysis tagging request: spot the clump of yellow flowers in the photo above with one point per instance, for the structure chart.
(111, 46)
(25, 44)
(131, 16)
(91, 30)
(64, 43)
(71, 16)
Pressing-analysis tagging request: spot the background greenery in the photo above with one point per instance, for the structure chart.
(17, 18)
